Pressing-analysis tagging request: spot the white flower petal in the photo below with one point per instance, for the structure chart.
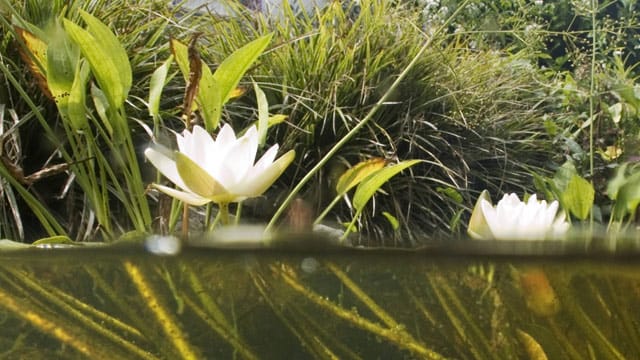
(166, 165)
(187, 197)
(255, 185)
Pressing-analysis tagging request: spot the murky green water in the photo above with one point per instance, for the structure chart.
(224, 304)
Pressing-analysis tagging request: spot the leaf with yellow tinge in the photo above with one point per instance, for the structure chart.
(372, 183)
(35, 56)
(354, 175)
(478, 227)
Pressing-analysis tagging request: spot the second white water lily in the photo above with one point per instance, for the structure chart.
(220, 170)
(512, 219)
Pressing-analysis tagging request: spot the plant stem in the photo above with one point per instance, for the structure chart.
(224, 213)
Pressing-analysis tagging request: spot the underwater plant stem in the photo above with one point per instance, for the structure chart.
(66, 303)
(451, 304)
(378, 105)
(393, 335)
(46, 326)
(220, 329)
(185, 221)
(362, 296)
(168, 324)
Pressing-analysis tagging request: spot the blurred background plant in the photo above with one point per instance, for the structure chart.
(511, 89)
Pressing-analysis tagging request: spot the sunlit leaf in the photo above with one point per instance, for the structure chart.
(77, 97)
(103, 67)
(233, 68)
(35, 56)
(354, 175)
(112, 46)
(395, 224)
(263, 114)
(368, 187)
(156, 85)
(578, 197)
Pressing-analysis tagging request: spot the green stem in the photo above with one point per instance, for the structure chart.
(224, 213)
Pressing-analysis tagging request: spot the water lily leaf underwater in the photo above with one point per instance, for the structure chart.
(478, 226)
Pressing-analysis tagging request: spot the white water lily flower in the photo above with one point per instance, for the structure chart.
(220, 170)
(512, 219)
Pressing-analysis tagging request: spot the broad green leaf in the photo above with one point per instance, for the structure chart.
(354, 175)
(156, 84)
(628, 196)
(578, 197)
(102, 66)
(62, 60)
(478, 227)
(195, 178)
(368, 187)
(395, 224)
(613, 186)
(263, 114)
(563, 175)
(111, 45)
(233, 68)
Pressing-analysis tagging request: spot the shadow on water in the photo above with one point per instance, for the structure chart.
(485, 301)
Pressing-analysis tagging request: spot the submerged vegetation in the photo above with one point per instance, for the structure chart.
(460, 95)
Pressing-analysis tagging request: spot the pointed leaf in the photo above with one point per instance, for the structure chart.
(77, 97)
(233, 68)
(395, 224)
(111, 45)
(369, 186)
(102, 66)
(156, 84)
(354, 175)
(578, 197)
(263, 114)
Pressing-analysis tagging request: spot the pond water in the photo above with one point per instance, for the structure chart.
(493, 301)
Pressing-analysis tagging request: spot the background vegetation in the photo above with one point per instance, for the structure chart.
(510, 89)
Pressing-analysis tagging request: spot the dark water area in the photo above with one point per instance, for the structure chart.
(466, 301)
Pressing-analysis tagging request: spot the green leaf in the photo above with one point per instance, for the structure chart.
(578, 197)
(233, 68)
(354, 175)
(451, 193)
(368, 187)
(103, 67)
(58, 239)
(395, 224)
(613, 186)
(156, 84)
(77, 98)
(628, 197)
(478, 227)
(61, 63)
(111, 45)
(263, 114)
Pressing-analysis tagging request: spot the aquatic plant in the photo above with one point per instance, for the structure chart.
(220, 170)
(512, 219)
